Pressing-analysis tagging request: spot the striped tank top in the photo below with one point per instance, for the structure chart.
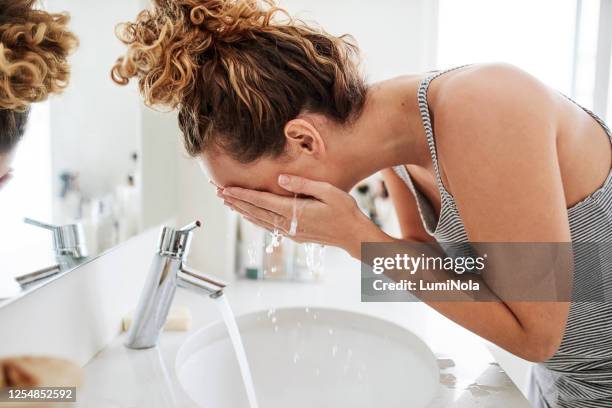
(580, 373)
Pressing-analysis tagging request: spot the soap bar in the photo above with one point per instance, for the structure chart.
(179, 319)
(39, 371)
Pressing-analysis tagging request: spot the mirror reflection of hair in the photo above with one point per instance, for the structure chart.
(34, 50)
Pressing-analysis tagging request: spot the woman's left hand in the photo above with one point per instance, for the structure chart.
(329, 217)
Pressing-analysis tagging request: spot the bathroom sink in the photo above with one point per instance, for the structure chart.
(310, 357)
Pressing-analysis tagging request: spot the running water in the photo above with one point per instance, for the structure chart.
(294, 220)
(234, 333)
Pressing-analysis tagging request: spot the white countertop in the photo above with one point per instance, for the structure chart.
(469, 376)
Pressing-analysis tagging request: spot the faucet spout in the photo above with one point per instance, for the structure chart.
(191, 227)
(200, 283)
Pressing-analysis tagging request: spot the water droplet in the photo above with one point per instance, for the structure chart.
(334, 351)
(275, 241)
(296, 358)
(331, 332)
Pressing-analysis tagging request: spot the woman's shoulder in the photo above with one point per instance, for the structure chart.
(491, 86)
(480, 100)
(488, 118)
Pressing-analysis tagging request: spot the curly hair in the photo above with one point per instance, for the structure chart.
(34, 47)
(236, 73)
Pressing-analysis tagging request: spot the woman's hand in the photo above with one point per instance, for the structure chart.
(330, 216)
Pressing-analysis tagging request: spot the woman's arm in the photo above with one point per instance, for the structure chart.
(496, 136)
(406, 208)
(529, 330)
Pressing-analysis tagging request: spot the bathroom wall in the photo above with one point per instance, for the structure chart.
(160, 150)
(114, 123)
(401, 39)
(96, 145)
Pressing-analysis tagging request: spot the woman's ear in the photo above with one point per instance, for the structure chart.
(303, 137)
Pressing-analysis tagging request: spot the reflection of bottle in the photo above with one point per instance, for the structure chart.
(70, 199)
(104, 223)
(127, 198)
(251, 246)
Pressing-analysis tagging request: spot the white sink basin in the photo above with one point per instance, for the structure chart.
(305, 358)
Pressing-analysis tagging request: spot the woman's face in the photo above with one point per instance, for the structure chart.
(262, 175)
(315, 149)
(224, 171)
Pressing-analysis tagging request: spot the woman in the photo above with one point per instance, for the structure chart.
(274, 107)
(34, 46)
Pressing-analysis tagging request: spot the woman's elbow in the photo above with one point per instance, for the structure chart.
(539, 348)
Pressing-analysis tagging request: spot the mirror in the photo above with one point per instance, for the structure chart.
(74, 182)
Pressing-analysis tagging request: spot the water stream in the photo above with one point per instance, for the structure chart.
(234, 334)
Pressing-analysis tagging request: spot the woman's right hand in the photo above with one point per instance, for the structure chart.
(330, 216)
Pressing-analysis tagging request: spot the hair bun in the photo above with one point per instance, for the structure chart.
(236, 74)
(34, 47)
(231, 20)
(168, 44)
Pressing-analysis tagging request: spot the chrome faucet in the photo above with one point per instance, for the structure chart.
(68, 240)
(168, 271)
(69, 248)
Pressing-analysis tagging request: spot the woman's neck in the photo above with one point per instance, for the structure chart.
(389, 131)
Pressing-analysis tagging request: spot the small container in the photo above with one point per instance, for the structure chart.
(251, 241)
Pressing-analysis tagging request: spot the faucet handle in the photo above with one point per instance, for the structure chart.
(175, 243)
(40, 224)
(67, 239)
